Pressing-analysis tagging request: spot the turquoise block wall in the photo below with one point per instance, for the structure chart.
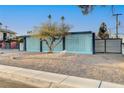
(32, 44)
(58, 48)
(79, 43)
(74, 43)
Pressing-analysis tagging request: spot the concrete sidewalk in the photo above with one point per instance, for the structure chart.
(46, 80)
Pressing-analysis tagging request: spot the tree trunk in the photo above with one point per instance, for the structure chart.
(50, 50)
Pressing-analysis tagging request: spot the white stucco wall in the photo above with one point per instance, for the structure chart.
(21, 46)
(1, 36)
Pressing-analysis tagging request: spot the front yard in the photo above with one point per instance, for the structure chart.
(107, 67)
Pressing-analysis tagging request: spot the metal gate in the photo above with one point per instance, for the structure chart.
(108, 46)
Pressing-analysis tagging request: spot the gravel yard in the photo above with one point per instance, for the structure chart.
(107, 67)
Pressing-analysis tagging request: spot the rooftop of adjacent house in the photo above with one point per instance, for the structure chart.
(7, 31)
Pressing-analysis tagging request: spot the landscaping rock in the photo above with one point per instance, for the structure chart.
(107, 67)
(62, 53)
(1, 52)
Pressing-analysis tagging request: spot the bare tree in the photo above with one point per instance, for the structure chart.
(52, 33)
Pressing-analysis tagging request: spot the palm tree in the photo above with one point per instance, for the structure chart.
(62, 18)
(86, 9)
(49, 17)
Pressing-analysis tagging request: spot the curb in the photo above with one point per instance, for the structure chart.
(43, 79)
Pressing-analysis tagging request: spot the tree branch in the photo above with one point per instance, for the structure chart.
(58, 42)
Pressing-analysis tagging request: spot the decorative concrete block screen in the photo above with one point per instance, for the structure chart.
(74, 43)
(58, 48)
(32, 44)
(79, 43)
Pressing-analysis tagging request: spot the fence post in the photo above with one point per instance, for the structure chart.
(105, 45)
(63, 43)
(41, 45)
(93, 43)
(25, 44)
(121, 46)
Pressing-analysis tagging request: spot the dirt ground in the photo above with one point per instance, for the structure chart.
(107, 67)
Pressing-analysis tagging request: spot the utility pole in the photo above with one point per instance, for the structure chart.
(6, 27)
(1, 25)
(117, 23)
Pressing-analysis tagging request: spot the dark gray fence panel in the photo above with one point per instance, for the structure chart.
(113, 46)
(99, 46)
(108, 46)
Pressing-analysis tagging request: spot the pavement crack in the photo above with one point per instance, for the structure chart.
(100, 84)
(50, 84)
(61, 81)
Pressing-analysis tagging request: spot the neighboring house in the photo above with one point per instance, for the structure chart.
(120, 35)
(6, 34)
(7, 38)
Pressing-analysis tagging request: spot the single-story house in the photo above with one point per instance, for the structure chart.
(74, 42)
